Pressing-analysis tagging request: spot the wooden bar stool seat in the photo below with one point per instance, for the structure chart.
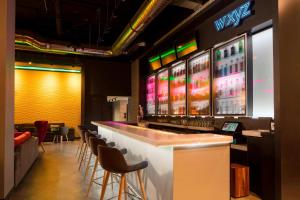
(239, 180)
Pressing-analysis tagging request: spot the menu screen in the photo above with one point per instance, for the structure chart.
(199, 85)
(229, 85)
(178, 89)
(151, 95)
(163, 93)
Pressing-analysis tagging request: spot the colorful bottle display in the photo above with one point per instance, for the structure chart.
(163, 93)
(150, 95)
(178, 89)
(229, 85)
(199, 85)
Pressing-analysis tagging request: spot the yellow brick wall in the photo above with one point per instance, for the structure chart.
(51, 96)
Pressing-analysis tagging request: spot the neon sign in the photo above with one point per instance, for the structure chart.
(235, 17)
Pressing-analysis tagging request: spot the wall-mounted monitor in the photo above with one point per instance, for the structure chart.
(168, 56)
(229, 77)
(198, 84)
(150, 94)
(186, 48)
(178, 89)
(163, 92)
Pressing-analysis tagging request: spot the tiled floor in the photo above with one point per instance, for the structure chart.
(55, 176)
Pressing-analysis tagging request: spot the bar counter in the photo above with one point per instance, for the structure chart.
(181, 166)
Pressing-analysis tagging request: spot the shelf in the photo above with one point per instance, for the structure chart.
(240, 147)
(182, 126)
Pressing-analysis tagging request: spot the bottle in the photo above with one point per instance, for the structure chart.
(218, 55)
(225, 70)
(242, 64)
(236, 64)
(241, 46)
(225, 53)
(232, 50)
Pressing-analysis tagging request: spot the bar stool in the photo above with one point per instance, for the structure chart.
(81, 144)
(113, 161)
(87, 135)
(94, 142)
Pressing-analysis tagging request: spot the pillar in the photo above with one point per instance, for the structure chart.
(7, 58)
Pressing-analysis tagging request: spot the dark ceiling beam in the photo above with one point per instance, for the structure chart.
(58, 18)
(188, 4)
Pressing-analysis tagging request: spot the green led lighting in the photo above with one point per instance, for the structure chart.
(167, 53)
(153, 59)
(186, 46)
(48, 69)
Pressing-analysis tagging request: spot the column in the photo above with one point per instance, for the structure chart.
(133, 102)
(287, 96)
(7, 58)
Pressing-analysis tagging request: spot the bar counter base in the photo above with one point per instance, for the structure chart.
(177, 172)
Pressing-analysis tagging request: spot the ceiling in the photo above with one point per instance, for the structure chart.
(93, 23)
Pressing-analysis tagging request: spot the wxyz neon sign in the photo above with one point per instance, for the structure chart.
(235, 17)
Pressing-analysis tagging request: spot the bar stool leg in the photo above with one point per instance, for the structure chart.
(112, 182)
(93, 176)
(125, 187)
(105, 180)
(81, 149)
(141, 184)
(83, 156)
(88, 165)
(121, 186)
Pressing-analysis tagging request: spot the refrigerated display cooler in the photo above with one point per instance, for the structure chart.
(199, 84)
(178, 89)
(163, 92)
(150, 94)
(229, 77)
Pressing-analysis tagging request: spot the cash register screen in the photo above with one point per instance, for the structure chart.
(230, 126)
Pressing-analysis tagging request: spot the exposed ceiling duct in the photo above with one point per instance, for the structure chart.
(27, 43)
(148, 11)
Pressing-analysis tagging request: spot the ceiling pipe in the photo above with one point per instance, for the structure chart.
(58, 18)
(27, 43)
(147, 12)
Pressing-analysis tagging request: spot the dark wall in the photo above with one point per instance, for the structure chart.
(100, 78)
(104, 79)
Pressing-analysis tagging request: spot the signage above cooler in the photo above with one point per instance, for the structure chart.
(172, 54)
(235, 17)
(186, 48)
(168, 56)
(155, 62)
